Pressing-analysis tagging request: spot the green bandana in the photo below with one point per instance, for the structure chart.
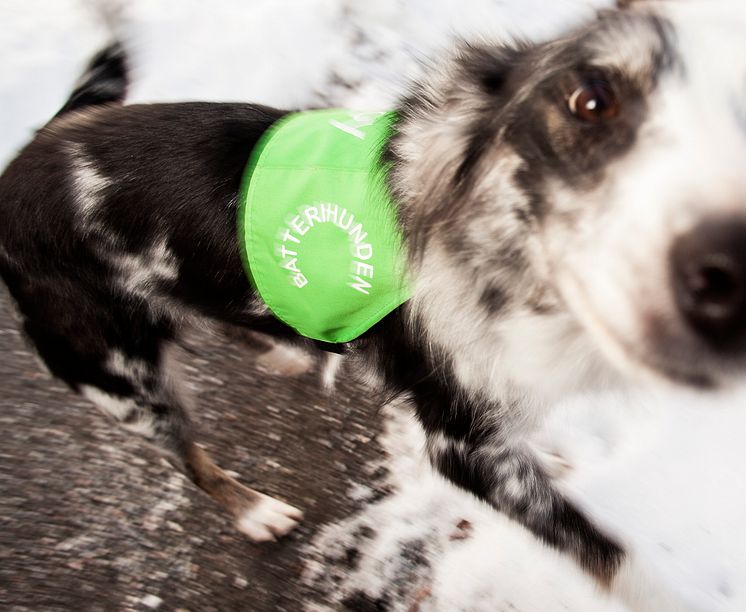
(317, 226)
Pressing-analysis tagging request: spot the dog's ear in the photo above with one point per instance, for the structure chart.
(490, 66)
(491, 69)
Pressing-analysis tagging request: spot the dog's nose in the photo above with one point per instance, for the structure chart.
(709, 277)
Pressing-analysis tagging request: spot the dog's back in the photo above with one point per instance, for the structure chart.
(117, 223)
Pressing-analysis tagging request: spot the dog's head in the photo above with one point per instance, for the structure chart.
(603, 173)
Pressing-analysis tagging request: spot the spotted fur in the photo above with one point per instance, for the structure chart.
(539, 248)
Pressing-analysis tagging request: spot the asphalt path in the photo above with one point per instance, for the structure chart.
(92, 518)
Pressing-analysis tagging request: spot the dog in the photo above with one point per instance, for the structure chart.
(573, 214)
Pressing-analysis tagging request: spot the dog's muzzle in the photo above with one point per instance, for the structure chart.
(708, 265)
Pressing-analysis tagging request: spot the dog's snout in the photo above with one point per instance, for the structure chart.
(709, 277)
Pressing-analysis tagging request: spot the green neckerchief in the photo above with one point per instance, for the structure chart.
(317, 227)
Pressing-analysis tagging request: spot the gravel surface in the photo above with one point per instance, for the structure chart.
(93, 518)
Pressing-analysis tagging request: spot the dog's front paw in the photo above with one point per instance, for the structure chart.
(285, 360)
(268, 519)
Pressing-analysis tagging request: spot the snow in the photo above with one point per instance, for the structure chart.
(664, 471)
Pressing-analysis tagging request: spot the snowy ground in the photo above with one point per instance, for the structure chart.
(664, 472)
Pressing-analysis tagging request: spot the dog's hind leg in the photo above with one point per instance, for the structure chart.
(118, 357)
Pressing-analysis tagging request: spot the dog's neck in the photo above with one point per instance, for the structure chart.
(480, 290)
(519, 354)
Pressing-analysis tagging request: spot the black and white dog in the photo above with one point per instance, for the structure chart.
(574, 211)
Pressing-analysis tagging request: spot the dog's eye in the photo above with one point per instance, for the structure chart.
(593, 101)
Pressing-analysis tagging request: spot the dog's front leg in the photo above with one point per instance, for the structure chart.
(470, 442)
(474, 455)
(512, 480)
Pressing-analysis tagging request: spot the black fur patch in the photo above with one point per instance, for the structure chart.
(493, 299)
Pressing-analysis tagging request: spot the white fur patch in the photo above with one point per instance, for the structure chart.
(143, 426)
(332, 365)
(517, 356)
(126, 411)
(141, 422)
(140, 273)
(115, 407)
(269, 519)
(88, 182)
(132, 369)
